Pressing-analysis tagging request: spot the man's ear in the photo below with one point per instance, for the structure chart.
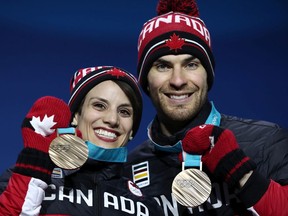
(148, 89)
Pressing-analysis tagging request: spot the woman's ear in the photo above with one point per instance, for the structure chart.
(130, 136)
(75, 120)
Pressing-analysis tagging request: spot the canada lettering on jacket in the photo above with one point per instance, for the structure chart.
(194, 23)
(73, 196)
(220, 196)
(112, 201)
(125, 205)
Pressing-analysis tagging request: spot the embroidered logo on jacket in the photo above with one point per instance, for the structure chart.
(140, 174)
(57, 173)
(134, 188)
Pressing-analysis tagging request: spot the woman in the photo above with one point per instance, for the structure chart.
(106, 107)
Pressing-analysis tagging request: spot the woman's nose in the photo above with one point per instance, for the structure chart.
(111, 117)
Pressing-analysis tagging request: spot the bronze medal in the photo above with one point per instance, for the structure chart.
(68, 151)
(191, 187)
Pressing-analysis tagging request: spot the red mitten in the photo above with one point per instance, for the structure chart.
(38, 130)
(220, 152)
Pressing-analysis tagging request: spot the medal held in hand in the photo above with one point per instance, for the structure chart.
(192, 187)
(68, 151)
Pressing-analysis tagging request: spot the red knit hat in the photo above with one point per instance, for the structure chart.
(176, 30)
(85, 79)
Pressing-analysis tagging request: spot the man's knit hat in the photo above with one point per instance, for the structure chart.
(85, 79)
(176, 30)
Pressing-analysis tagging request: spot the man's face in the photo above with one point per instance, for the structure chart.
(178, 87)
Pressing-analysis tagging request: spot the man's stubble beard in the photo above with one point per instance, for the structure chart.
(177, 115)
(181, 113)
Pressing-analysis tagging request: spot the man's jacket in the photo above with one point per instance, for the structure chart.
(154, 170)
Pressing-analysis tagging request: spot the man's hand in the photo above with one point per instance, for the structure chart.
(220, 153)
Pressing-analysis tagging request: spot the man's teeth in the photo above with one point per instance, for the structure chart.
(178, 96)
(105, 133)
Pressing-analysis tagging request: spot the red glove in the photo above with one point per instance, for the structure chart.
(220, 152)
(38, 130)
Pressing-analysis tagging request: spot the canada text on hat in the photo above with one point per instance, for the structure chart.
(156, 26)
(85, 79)
(82, 73)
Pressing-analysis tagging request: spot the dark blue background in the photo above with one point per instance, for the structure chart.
(44, 42)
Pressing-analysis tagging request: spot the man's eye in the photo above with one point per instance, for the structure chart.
(162, 67)
(192, 66)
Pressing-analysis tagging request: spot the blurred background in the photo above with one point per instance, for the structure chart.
(44, 42)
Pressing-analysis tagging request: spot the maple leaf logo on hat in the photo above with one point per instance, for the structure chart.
(116, 72)
(175, 42)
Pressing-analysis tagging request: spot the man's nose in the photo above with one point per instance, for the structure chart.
(178, 78)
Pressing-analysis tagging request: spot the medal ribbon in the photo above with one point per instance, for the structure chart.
(107, 155)
(70, 130)
(195, 160)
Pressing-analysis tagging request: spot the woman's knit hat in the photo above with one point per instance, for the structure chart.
(85, 79)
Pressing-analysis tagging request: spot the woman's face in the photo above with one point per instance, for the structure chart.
(106, 118)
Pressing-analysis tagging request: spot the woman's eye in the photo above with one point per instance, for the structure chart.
(125, 112)
(99, 106)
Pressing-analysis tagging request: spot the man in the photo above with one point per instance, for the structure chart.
(248, 167)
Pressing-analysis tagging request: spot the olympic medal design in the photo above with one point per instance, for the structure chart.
(68, 151)
(191, 187)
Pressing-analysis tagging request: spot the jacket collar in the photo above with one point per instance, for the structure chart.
(207, 115)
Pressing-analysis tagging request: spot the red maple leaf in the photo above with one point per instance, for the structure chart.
(116, 72)
(175, 42)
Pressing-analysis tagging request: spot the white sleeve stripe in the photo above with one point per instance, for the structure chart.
(251, 209)
(34, 197)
